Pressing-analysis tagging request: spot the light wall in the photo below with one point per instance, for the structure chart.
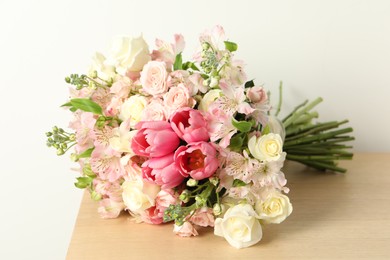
(339, 50)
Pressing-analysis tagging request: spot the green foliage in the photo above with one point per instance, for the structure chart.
(231, 46)
(242, 126)
(84, 104)
(178, 65)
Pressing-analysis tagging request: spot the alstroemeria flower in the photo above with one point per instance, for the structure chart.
(190, 125)
(197, 160)
(154, 139)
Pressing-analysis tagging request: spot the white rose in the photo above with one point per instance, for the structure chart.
(138, 195)
(105, 72)
(266, 147)
(210, 97)
(132, 109)
(275, 208)
(128, 54)
(239, 226)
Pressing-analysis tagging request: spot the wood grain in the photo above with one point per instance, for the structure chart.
(336, 216)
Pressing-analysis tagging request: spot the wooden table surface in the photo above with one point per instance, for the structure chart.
(336, 216)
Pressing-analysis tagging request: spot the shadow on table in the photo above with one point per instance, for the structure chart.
(315, 197)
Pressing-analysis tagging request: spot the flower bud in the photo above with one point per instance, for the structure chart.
(217, 209)
(192, 183)
(184, 196)
(74, 157)
(96, 196)
(60, 151)
(200, 201)
(214, 180)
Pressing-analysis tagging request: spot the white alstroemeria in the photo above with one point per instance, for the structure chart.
(121, 138)
(265, 172)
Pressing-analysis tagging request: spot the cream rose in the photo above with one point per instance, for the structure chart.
(239, 226)
(138, 195)
(266, 147)
(177, 97)
(274, 209)
(210, 97)
(132, 109)
(128, 54)
(154, 78)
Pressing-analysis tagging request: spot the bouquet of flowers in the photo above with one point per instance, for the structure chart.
(193, 143)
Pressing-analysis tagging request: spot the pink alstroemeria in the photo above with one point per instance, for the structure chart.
(107, 164)
(109, 208)
(197, 160)
(220, 127)
(167, 52)
(162, 171)
(203, 217)
(190, 125)
(154, 139)
(232, 101)
(83, 123)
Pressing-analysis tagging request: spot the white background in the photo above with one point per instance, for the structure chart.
(339, 50)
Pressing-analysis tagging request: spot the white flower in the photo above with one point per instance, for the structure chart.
(104, 71)
(121, 139)
(132, 109)
(210, 97)
(239, 226)
(128, 54)
(266, 147)
(275, 208)
(138, 195)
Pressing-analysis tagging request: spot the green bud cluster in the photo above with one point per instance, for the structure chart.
(80, 81)
(60, 140)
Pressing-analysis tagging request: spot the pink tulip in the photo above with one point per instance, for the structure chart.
(197, 160)
(162, 171)
(154, 139)
(190, 125)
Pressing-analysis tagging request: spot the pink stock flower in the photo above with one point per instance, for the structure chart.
(185, 230)
(162, 171)
(203, 217)
(154, 139)
(190, 125)
(197, 160)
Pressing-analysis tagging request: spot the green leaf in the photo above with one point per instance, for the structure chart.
(86, 153)
(242, 126)
(238, 183)
(178, 65)
(236, 142)
(249, 84)
(266, 130)
(86, 105)
(230, 46)
(67, 104)
(190, 65)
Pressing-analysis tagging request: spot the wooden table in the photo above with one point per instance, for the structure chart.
(335, 216)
